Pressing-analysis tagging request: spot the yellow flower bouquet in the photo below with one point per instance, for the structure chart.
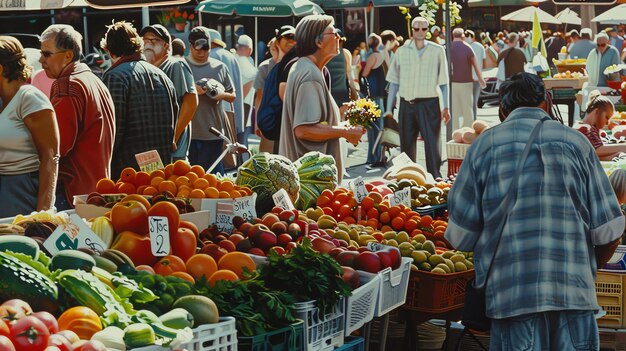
(362, 112)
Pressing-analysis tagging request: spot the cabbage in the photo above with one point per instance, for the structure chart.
(265, 174)
(317, 172)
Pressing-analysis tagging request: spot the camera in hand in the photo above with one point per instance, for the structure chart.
(213, 87)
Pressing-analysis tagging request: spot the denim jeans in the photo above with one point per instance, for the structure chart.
(553, 330)
(205, 152)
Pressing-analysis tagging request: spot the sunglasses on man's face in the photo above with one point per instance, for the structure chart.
(417, 29)
(601, 45)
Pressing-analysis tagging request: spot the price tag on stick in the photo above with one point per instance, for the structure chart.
(401, 197)
(149, 161)
(402, 159)
(282, 200)
(358, 188)
(74, 235)
(244, 207)
(159, 228)
(224, 217)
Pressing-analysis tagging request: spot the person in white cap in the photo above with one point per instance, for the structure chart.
(582, 47)
(248, 74)
(599, 59)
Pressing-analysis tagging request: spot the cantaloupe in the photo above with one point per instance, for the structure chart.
(480, 126)
(457, 136)
(469, 137)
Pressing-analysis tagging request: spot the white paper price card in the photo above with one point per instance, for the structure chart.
(244, 207)
(372, 246)
(401, 197)
(72, 236)
(402, 159)
(149, 161)
(358, 188)
(282, 200)
(224, 217)
(159, 228)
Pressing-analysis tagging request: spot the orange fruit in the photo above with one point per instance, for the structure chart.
(201, 265)
(222, 274)
(142, 178)
(323, 201)
(236, 262)
(173, 177)
(211, 193)
(349, 220)
(181, 168)
(192, 177)
(200, 183)
(168, 185)
(394, 211)
(150, 190)
(126, 188)
(373, 222)
(426, 221)
(196, 194)
(211, 178)
(385, 218)
(184, 193)
(343, 198)
(157, 173)
(182, 180)
(245, 191)
(397, 223)
(168, 171)
(226, 185)
(410, 225)
(141, 188)
(367, 203)
(128, 175)
(224, 195)
(105, 186)
(154, 182)
(185, 276)
(198, 170)
(328, 193)
(372, 213)
(138, 198)
(235, 194)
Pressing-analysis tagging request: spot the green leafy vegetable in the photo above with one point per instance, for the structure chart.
(317, 172)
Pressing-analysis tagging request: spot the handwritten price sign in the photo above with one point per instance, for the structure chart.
(358, 188)
(224, 217)
(401, 197)
(159, 235)
(282, 200)
(72, 236)
(149, 161)
(245, 208)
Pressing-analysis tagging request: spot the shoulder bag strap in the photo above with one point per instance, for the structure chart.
(511, 195)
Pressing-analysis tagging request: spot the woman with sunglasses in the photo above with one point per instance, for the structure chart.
(599, 110)
(599, 59)
(29, 137)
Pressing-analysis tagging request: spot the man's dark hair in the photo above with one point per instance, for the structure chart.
(122, 39)
(521, 90)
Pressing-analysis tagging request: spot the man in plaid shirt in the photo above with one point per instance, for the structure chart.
(564, 224)
(144, 98)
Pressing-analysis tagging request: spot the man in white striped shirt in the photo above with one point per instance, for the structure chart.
(415, 72)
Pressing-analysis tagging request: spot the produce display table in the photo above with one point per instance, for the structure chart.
(415, 318)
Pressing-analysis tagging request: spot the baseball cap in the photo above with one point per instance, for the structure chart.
(199, 37)
(586, 31)
(159, 31)
(245, 40)
(573, 32)
(609, 29)
(285, 30)
(216, 38)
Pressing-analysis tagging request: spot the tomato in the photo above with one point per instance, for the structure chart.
(6, 344)
(48, 319)
(139, 198)
(130, 215)
(169, 264)
(29, 334)
(14, 309)
(91, 345)
(191, 226)
(135, 246)
(53, 348)
(61, 342)
(183, 243)
(4, 328)
(69, 335)
(81, 320)
(169, 210)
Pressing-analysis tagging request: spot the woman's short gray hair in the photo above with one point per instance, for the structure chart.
(309, 31)
(618, 182)
(65, 38)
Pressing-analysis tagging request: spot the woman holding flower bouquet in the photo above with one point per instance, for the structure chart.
(310, 114)
(375, 75)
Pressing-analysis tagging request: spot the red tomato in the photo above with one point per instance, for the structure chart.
(136, 246)
(14, 309)
(169, 210)
(4, 328)
(60, 341)
(169, 264)
(29, 334)
(130, 215)
(48, 319)
(52, 348)
(91, 345)
(183, 243)
(6, 344)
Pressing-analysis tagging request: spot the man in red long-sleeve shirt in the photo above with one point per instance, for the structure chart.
(85, 114)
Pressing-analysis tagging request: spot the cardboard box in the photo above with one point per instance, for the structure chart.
(572, 83)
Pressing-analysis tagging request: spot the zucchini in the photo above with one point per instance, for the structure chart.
(20, 244)
(72, 259)
(19, 280)
(104, 263)
(139, 335)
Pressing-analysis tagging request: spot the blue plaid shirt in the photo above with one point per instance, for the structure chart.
(565, 205)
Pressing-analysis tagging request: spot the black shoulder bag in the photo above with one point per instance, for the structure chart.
(474, 311)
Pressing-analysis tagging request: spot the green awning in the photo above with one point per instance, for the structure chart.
(273, 8)
(492, 3)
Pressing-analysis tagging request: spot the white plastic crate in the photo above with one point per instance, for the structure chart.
(456, 150)
(360, 306)
(393, 286)
(321, 333)
(610, 294)
(221, 336)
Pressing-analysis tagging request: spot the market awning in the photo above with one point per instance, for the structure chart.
(527, 14)
(569, 16)
(341, 4)
(492, 3)
(267, 8)
(32, 5)
(616, 15)
(113, 4)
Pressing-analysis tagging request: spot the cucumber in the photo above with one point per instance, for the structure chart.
(72, 259)
(20, 244)
(104, 263)
(19, 280)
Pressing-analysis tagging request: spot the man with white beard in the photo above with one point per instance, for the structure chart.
(157, 49)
